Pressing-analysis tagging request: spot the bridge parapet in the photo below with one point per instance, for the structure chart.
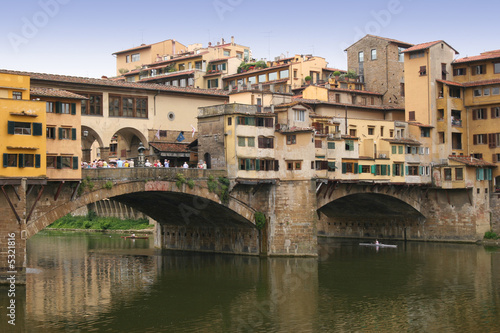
(149, 173)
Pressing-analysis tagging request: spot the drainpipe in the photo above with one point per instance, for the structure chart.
(157, 93)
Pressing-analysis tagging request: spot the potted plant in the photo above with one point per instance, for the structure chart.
(308, 79)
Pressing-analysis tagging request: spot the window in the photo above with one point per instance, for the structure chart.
(49, 107)
(411, 116)
(397, 169)
(266, 142)
(291, 139)
(17, 95)
(495, 112)
(425, 132)
(51, 162)
(227, 53)
(447, 173)
(455, 92)
(9, 160)
(284, 74)
(66, 133)
(251, 141)
(486, 91)
(459, 71)
(371, 130)
(400, 149)
(136, 57)
(273, 76)
(22, 128)
(318, 144)
(495, 91)
(401, 90)
(374, 54)
(456, 140)
(337, 98)
(478, 69)
(263, 122)
(239, 55)
(440, 114)
(121, 106)
(477, 92)
(361, 56)
(127, 59)
(293, 165)
(349, 145)
(459, 174)
(443, 71)
(300, 115)
(214, 83)
(66, 162)
(456, 118)
(331, 145)
(262, 78)
(51, 132)
(401, 55)
(412, 170)
(229, 121)
(352, 132)
(479, 114)
(423, 70)
(480, 139)
(417, 54)
(241, 141)
(496, 68)
(295, 73)
(27, 160)
(349, 167)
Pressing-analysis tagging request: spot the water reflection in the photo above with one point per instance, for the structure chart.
(94, 283)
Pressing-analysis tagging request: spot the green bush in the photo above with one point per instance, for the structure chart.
(260, 220)
(490, 235)
(108, 185)
(190, 183)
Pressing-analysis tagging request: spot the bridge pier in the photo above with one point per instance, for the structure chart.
(13, 231)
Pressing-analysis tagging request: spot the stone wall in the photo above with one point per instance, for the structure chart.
(495, 212)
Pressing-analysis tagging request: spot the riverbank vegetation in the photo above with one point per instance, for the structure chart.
(490, 235)
(94, 222)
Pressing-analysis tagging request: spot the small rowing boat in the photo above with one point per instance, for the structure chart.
(378, 245)
(135, 237)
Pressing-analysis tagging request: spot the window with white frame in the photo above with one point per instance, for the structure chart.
(300, 115)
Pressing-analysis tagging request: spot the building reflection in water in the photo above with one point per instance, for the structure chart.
(72, 277)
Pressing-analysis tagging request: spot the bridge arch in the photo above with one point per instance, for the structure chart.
(163, 200)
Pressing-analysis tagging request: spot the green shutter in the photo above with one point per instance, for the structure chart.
(37, 160)
(5, 160)
(355, 167)
(344, 167)
(73, 108)
(257, 164)
(407, 169)
(60, 133)
(394, 149)
(10, 127)
(420, 170)
(59, 162)
(21, 160)
(360, 168)
(489, 174)
(37, 129)
(388, 170)
(383, 170)
(75, 162)
(394, 169)
(247, 164)
(73, 134)
(58, 107)
(374, 169)
(400, 150)
(403, 170)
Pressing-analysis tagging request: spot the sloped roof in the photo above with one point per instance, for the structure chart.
(47, 92)
(390, 40)
(117, 84)
(483, 56)
(427, 45)
(472, 161)
(403, 141)
(170, 147)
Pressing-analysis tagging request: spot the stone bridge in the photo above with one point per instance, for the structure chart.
(201, 210)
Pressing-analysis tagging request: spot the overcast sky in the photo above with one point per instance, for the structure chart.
(78, 37)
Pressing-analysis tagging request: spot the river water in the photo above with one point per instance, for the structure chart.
(93, 282)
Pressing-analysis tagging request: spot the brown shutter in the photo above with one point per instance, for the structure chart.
(474, 114)
(474, 139)
(491, 140)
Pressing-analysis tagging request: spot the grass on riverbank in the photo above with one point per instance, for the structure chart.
(94, 222)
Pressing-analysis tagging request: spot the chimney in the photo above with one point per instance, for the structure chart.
(104, 77)
(209, 44)
(232, 40)
(173, 46)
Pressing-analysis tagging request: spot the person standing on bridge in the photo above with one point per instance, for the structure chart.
(167, 163)
(185, 165)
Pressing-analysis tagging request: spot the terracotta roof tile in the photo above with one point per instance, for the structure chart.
(47, 92)
(256, 71)
(427, 45)
(117, 84)
(481, 83)
(170, 147)
(450, 83)
(157, 77)
(373, 107)
(472, 161)
(483, 56)
(420, 125)
(403, 141)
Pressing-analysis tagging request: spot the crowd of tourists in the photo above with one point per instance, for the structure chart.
(119, 163)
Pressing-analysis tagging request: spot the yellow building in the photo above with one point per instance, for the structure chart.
(133, 58)
(194, 67)
(63, 132)
(22, 144)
